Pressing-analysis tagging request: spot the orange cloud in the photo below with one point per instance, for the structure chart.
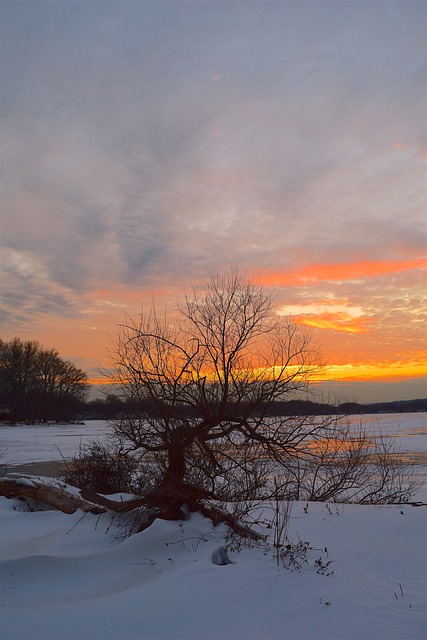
(365, 371)
(315, 273)
(336, 321)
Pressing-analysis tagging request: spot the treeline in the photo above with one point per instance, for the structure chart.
(306, 407)
(37, 385)
(112, 406)
(397, 406)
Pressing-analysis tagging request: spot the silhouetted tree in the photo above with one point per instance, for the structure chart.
(18, 380)
(36, 384)
(211, 373)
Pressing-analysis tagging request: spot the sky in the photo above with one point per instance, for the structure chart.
(145, 145)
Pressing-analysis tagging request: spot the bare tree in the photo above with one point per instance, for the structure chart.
(18, 365)
(204, 381)
(70, 390)
(36, 384)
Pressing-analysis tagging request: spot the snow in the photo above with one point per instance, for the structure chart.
(23, 481)
(23, 444)
(74, 577)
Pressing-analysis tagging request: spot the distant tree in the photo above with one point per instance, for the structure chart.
(48, 368)
(36, 384)
(71, 389)
(107, 408)
(18, 380)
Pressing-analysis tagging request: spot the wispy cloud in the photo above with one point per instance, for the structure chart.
(342, 271)
(145, 144)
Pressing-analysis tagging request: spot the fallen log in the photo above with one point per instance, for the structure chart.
(112, 505)
(51, 496)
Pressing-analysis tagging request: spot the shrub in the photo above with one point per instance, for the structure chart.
(102, 469)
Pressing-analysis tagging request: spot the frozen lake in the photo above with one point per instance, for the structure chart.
(23, 445)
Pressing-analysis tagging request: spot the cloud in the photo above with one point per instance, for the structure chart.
(342, 271)
(26, 288)
(337, 321)
(146, 144)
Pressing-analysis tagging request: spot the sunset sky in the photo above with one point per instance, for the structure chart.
(147, 144)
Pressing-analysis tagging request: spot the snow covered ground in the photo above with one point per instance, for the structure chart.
(73, 577)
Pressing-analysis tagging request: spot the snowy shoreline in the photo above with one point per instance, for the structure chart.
(74, 577)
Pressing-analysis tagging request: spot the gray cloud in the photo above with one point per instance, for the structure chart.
(147, 140)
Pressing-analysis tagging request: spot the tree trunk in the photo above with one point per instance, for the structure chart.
(175, 474)
(175, 495)
(172, 493)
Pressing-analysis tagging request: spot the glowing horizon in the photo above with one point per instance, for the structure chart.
(363, 372)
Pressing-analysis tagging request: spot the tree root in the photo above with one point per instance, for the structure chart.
(164, 506)
(218, 516)
(112, 505)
